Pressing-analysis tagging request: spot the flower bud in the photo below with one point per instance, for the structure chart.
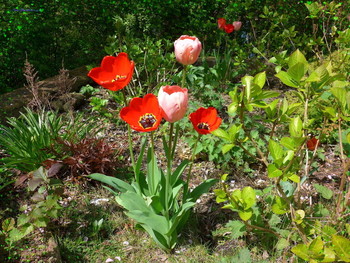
(173, 101)
(187, 49)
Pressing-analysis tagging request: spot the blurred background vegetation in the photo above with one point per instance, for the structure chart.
(70, 33)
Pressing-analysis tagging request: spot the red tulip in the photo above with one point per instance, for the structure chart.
(311, 143)
(115, 72)
(187, 49)
(173, 101)
(229, 28)
(143, 114)
(237, 25)
(221, 23)
(204, 120)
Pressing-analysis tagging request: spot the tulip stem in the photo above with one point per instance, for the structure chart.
(184, 71)
(130, 143)
(190, 168)
(168, 174)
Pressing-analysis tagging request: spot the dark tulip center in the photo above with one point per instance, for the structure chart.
(147, 121)
(203, 126)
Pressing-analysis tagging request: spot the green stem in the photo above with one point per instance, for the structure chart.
(184, 71)
(190, 168)
(175, 141)
(130, 143)
(168, 174)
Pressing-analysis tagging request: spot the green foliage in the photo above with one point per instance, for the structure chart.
(38, 215)
(27, 138)
(148, 199)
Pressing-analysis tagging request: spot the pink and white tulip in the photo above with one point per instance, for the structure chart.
(173, 101)
(187, 49)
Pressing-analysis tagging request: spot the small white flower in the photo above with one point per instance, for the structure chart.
(109, 260)
(125, 243)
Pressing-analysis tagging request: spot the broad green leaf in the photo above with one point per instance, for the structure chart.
(220, 195)
(248, 196)
(316, 249)
(330, 111)
(221, 134)
(287, 79)
(246, 214)
(297, 57)
(178, 172)
(296, 127)
(289, 143)
(201, 189)
(297, 71)
(294, 178)
(266, 94)
(273, 171)
(153, 172)
(8, 224)
(41, 222)
(116, 183)
(227, 147)
(322, 73)
(232, 108)
(15, 235)
(289, 156)
(301, 251)
(340, 94)
(233, 131)
(156, 222)
(314, 77)
(341, 246)
(275, 150)
(324, 191)
(329, 255)
(280, 206)
(23, 219)
(139, 211)
(247, 81)
(260, 79)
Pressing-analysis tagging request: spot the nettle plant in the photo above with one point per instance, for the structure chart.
(279, 210)
(160, 202)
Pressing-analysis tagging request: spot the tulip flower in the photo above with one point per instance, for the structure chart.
(221, 23)
(311, 144)
(229, 28)
(187, 49)
(205, 120)
(237, 25)
(173, 101)
(115, 72)
(143, 114)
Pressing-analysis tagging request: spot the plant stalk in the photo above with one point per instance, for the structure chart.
(130, 144)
